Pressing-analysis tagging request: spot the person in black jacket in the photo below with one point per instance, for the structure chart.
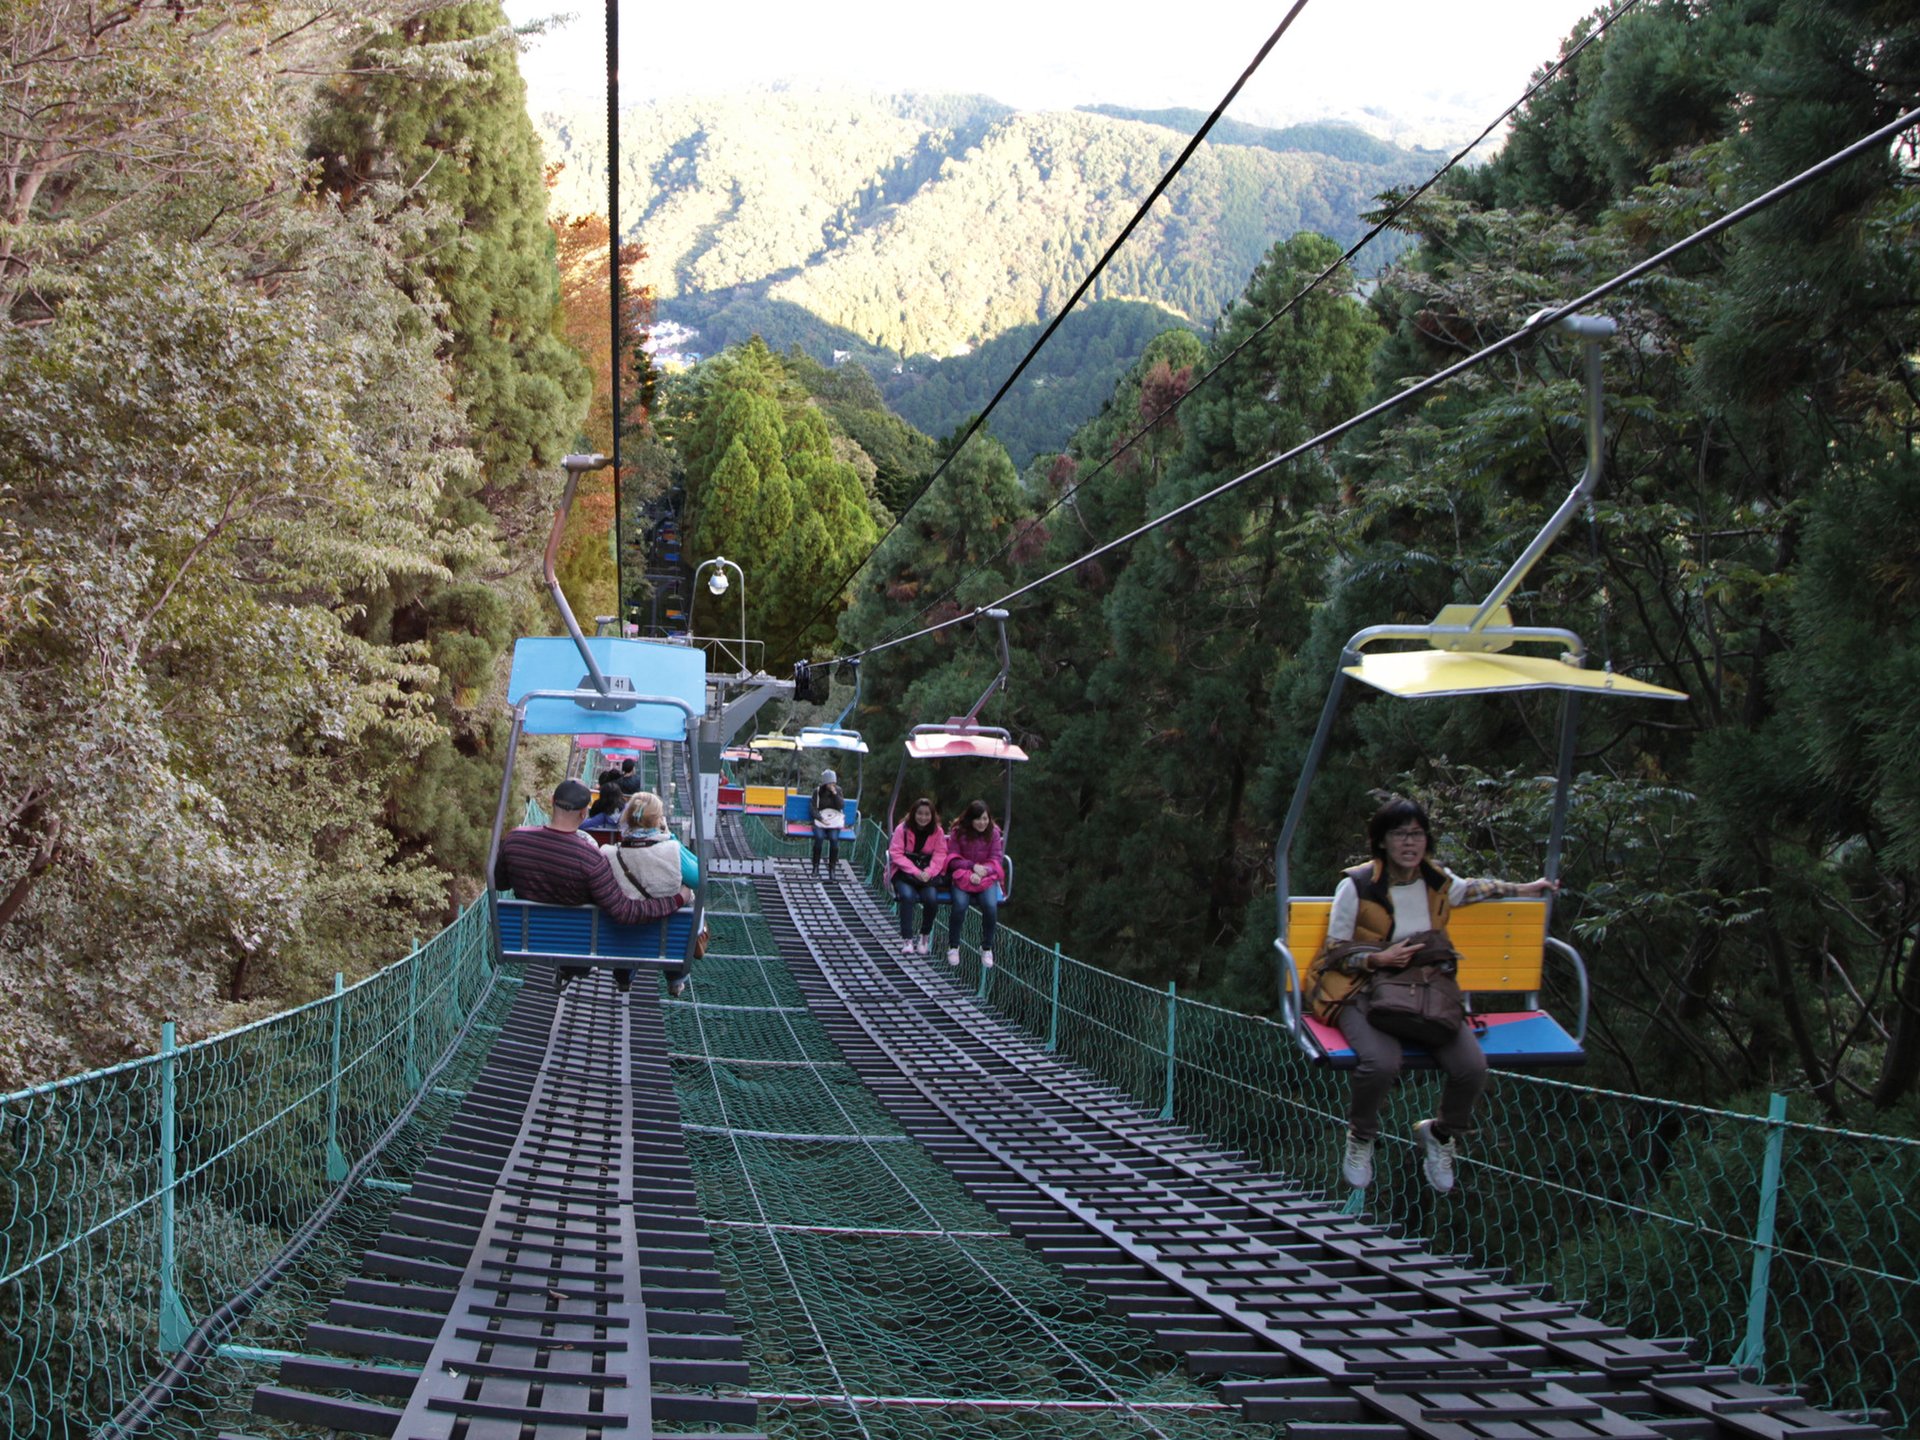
(829, 801)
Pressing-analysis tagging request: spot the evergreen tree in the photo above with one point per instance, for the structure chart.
(437, 106)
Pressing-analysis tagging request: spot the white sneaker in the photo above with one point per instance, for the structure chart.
(1436, 1156)
(1357, 1168)
(907, 947)
(986, 959)
(924, 945)
(953, 955)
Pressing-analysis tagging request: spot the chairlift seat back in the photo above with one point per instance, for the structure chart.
(586, 935)
(764, 799)
(799, 817)
(733, 798)
(1502, 946)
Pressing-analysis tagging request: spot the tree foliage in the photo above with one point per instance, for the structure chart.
(1741, 869)
(771, 487)
(242, 611)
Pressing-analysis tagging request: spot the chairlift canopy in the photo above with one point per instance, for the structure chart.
(831, 737)
(616, 743)
(553, 663)
(971, 744)
(1437, 674)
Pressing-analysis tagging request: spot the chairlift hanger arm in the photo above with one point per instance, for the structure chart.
(1592, 330)
(999, 682)
(575, 466)
(841, 722)
(1439, 634)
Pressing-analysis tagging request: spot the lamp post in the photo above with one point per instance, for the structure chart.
(717, 584)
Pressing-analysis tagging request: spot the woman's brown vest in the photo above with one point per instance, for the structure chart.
(1374, 923)
(1328, 988)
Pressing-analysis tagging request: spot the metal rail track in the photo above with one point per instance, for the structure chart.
(1340, 1328)
(548, 1275)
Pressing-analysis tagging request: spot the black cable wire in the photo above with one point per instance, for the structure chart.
(1546, 77)
(1533, 327)
(1113, 249)
(613, 305)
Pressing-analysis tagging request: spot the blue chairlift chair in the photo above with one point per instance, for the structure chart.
(635, 690)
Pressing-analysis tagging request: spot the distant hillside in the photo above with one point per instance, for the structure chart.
(894, 227)
(1342, 142)
(917, 224)
(1067, 383)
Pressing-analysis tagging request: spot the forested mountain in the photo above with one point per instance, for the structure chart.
(1067, 382)
(904, 226)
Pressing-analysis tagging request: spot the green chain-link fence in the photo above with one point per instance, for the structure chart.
(1788, 1247)
(136, 1201)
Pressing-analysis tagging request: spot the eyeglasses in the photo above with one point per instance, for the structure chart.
(1411, 832)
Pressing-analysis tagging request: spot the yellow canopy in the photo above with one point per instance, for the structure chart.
(774, 742)
(1435, 674)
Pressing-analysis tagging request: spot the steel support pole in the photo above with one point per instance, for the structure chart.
(1752, 1351)
(1166, 1105)
(1053, 1016)
(336, 1159)
(174, 1328)
(412, 1072)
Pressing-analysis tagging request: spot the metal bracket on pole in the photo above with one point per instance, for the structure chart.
(1053, 1013)
(412, 1074)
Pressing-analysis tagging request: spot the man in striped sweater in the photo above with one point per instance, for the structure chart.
(554, 864)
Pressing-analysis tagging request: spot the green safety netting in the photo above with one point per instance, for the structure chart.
(135, 1201)
(1789, 1247)
(877, 1297)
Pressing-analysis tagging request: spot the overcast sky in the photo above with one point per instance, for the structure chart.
(1440, 64)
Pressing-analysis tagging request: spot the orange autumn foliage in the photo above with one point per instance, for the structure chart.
(586, 568)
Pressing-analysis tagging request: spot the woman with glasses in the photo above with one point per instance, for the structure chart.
(1388, 905)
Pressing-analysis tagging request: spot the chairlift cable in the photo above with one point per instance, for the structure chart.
(1880, 136)
(1384, 223)
(1067, 309)
(613, 305)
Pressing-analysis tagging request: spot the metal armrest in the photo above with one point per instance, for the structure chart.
(1289, 987)
(1580, 979)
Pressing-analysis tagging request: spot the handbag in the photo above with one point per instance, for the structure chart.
(1421, 1003)
(830, 819)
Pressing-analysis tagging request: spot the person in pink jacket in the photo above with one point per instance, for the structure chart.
(977, 870)
(916, 864)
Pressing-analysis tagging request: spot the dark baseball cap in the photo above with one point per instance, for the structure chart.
(571, 795)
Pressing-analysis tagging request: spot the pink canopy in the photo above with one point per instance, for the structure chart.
(615, 744)
(937, 746)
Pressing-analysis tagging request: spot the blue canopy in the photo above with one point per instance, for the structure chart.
(648, 668)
